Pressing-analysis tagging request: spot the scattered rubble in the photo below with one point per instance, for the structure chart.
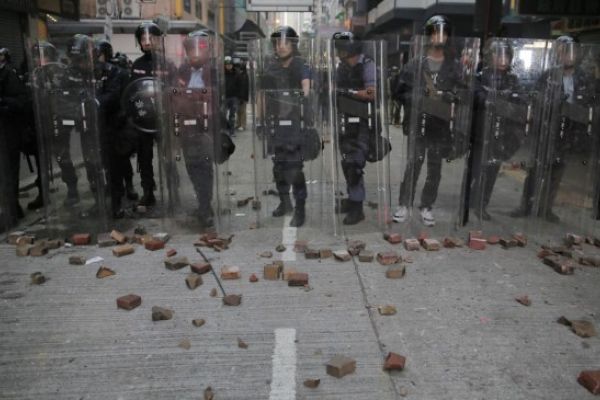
(242, 344)
(175, 263)
(355, 247)
(431, 244)
(590, 380)
(493, 239)
(395, 272)
(272, 272)
(394, 362)
(123, 250)
(81, 239)
(452, 242)
(253, 278)
(213, 241)
(312, 254)
(104, 272)
(171, 252)
(388, 257)
(200, 268)
(508, 243)
(342, 255)
(198, 322)
(161, 314)
(39, 249)
(563, 267)
(393, 237)
(300, 246)
(523, 300)
(581, 328)
(412, 244)
(232, 300)
(118, 236)
(366, 256)
(105, 240)
(387, 310)
(37, 278)
(129, 302)
(23, 250)
(340, 366)
(312, 383)
(230, 272)
(193, 281)
(153, 244)
(298, 279)
(77, 260)
(213, 292)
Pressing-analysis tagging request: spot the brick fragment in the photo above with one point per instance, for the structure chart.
(104, 272)
(394, 361)
(280, 248)
(23, 250)
(171, 252)
(422, 236)
(475, 235)
(357, 245)
(573, 239)
(388, 257)
(477, 243)
(366, 256)
(54, 244)
(395, 272)
(342, 255)
(452, 242)
(230, 272)
(242, 344)
(162, 236)
(431, 244)
(300, 246)
(545, 253)
(213, 292)
(198, 322)
(412, 244)
(39, 249)
(266, 254)
(129, 302)
(200, 267)
(123, 250)
(387, 310)
(118, 236)
(393, 237)
(161, 314)
(253, 278)
(77, 260)
(193, 281)
(154, 245)
(520, 238)
(340, 366)
(590, 380)
(271, 272)
(104, 240)
(287, 272)
(81, 239)
(563, 267)
(493, 239)
(593, 261)
(298, 279)
(311, 383)
(37, 278)
(508, 243)
(175, 263)
(523, 300)
(325, 253)
(13, 236)
(25, 239)
(232, 300)
(583, 328)
(312, 254)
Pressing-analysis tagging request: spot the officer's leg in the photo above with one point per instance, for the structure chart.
(557, 172)
(434, 175)
(283, 188)
(411, 174)
(353, 163)
(145, 155)
(300, 193)
(68, 175)
(200, 172)
(127, 173)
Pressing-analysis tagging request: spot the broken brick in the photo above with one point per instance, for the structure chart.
(54, 244)
(582, 328)
(475, 235)
(175, 263)
(342, 255)
(123, 250)
(477, 243)
(129, 302)
(563, 267)
(545, 253)
(232, 300)
(242, 344)
(26, 239)
(493, 239)
(287, 272)
(162, 236)
(213, 292)
(452, 242)
(13, 236)
(161, 314)
(253, 278)
(198, 322)
(523, 300)
(394, 361)
(298, 279)
(312, 254)
(386, 310)
(154, 244)
(38, 250)
(266, 254)
(300, 246)
(325, 253)
(312, 383)
(366, 256)
(118, 236)
(508, 243)
(193, 281)
(104, 240)
(388, 257)
(200, 267)
(395, 272)
(340, 366)
(411, 244)
(230, 272)
(77, 260)
(357, 245)
(393, 237)
(280, 248)
(590, 380)
(104, 272)
(272, 272)
(37, 278)
(81, 239)
(431, 244)
(521, 239)
(171, 252)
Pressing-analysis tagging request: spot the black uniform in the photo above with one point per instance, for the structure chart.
(433, 137)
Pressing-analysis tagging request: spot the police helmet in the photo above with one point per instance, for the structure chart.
(44, 50)
(149, 28)
(567, 50)
(346, 42)
(228, 60)
(285, 33)
(103, 47)
(499, 48)
(78, 47)
(437, 25)
(6, 53)
(197, 41)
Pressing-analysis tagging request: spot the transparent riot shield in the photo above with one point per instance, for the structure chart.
(70, 134)
(567, 186)
(288, 136)
(509, 104)
(361, 151)
(435, 89)
(192, 148)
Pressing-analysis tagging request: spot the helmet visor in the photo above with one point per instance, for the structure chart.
(567, 53)
(197, 47)
(438, 34)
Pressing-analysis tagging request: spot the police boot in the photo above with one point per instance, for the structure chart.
(284, 207)
(147, 199)
(72, 196)
(37, 203)
(355, 215)
(342, 206)
(299, 214)
(130, 191)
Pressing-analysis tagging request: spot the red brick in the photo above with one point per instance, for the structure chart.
(38, 250)
(287, 272)
(272, 272)
(118, 236)
(81, 239)
(123, 250)
(393, 237)
(422, 236)
(544, 253)
(77, 260)
(161, 314)
(395, 272)
(388, 257)
(154, 244)
(431, 244)
(452, 242)
(339, 366)
(312, 254)
(200, 267)
(563, 267)
(300, 246)
(493, 239)
(13, 236)
(129, 302)
(342, 255)
(325, 253)
(104, 272)
(477, 243)
(26, 239)
(394, 361)
(366, 256)
(521, 239)
(523, 300)
(171, 252)
(230, 272)
(253, 278)
(590, 380)
(412, 244)
(175, 263)
(475, 235)
(298, 279)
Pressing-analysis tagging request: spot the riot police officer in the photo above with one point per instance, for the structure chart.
(287, 72)
(142, 68)
(232, 93)
(355, 77)
(441, 74)
(497, 99)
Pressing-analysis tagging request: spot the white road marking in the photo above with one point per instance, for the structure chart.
(283, 382)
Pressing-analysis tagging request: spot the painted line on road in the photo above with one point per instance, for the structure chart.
(288, 238)
(283, 382)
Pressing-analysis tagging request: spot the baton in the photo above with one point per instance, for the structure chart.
(212, 270)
